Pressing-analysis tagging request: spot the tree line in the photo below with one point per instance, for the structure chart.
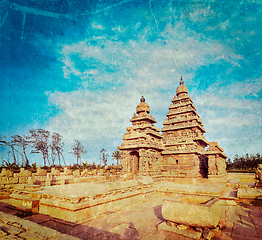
(50, 146)
(41, 141)
(244, 162)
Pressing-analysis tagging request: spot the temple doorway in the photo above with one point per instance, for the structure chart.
(203, 166)
(134, 164)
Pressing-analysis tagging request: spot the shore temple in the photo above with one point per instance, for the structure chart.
(173, 185)
(180, 152)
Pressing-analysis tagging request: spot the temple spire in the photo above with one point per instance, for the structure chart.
(142, 99)
(181, 81)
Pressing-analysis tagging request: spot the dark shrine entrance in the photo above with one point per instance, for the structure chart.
(203, 166)
(134, 162)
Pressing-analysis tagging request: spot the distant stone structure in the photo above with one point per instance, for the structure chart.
(180, 151)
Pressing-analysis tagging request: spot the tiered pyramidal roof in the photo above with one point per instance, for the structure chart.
(183, 129)
(143, 134)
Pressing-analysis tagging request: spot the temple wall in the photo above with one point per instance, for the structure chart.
(181, 165)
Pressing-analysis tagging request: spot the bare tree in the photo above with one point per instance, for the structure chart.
(104, 156)
(56, 147)
(78, 150)
(40, 142)
(23, 143)
(3, 142)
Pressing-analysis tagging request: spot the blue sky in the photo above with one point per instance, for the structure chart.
(80, 67)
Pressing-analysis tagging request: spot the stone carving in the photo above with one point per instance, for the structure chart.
(40, 172)
(55, 172)
(24, 173)
(6, 173)
(67, 171)
(76, 173)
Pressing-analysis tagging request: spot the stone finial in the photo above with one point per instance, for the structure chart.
(181, 81)
(142, 99)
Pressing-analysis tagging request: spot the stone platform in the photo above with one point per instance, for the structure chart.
(80, 202)
(138, 221)
(84, 204)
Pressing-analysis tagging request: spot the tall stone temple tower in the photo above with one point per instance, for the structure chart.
(181, 153)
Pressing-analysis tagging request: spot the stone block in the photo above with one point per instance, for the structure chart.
(67, 171)
(6, 173)
(184, 232)
(84, 173)
(8, 180)
(128, 176)
(40, 172)
(146, 180)
(210, 233)
(250, 193)
(55, 172)
(31, 181)
(24, 173)
(62, 182)
(23, 180)
(48, 182)
(2, 234)
(197, 211)
(11, 230)
(76, 173)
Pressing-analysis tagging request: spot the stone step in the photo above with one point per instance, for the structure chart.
(229, 193)
(21, 210)
(229, 196)
(233, 182)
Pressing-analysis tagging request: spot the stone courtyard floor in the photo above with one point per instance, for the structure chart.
(138, 221)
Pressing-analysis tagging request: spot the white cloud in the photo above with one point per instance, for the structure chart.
(151, 64)
(97, 26)
(90, 116)
(231, 117)
(127, 71)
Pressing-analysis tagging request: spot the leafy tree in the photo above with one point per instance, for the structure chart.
(117, 155)
(85, 165)
(78, 150)
(23, 142)
(40, 142)
(248, 161)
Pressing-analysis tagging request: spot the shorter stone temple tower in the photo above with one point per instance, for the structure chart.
(142, 146)
(181, 152)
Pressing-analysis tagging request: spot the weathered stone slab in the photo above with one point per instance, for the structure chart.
(198, 189)
(76, 173)
(87, 189)
(184, 232)
(24, 173)
(40, 172)
(81, 202)
(55, 172)
(8, 180)
(197, 211)
(6, 173)
(250, 193)
(146, 180)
